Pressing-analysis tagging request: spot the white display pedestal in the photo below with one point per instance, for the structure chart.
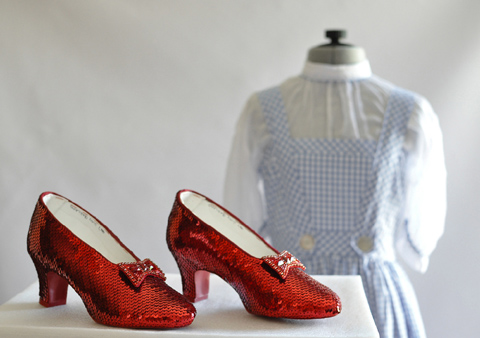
(221, 315)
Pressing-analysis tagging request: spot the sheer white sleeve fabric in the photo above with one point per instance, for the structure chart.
(243, 193)
(426, 189)
(346, 109)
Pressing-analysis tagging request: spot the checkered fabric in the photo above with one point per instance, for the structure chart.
(344, 199)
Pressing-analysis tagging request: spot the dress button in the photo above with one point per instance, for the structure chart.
(307, 242)
(365, 243)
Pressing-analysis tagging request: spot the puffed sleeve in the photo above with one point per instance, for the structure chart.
(425, 184)
(242, 189)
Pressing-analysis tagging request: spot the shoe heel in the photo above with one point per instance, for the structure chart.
(53, 288)
(202, 285)
(196, 283)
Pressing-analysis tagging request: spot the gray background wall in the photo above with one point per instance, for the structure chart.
(119, 104)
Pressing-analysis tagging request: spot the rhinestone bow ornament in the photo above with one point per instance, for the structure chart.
(283, 262)
(138, 271)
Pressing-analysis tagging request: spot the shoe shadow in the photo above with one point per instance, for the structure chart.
(237, 319)
(8, 307)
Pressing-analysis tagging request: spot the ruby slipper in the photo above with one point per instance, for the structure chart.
(71, 247)
(206, 238)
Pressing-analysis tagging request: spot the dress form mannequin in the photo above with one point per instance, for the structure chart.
(326, 164)
(336, 53)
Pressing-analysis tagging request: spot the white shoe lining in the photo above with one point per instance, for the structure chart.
(227, 225)
(87, 228)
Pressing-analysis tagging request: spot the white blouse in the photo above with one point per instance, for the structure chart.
(345, 102)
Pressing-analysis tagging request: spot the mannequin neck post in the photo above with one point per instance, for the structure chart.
(336, 54)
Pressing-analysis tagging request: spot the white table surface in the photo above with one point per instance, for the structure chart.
(221, 315)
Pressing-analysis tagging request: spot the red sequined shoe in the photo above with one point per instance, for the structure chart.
(205, 238)
(70, 246)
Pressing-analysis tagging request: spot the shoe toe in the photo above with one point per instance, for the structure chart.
(181, 315)
(310, 299)
(173, 310)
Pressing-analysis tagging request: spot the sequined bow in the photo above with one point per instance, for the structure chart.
(138, 271)
(283, 262)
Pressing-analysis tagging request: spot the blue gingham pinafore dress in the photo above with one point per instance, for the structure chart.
(336, 203)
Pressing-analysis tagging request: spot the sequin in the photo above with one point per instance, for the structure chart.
(196, 246)
(62, 259)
